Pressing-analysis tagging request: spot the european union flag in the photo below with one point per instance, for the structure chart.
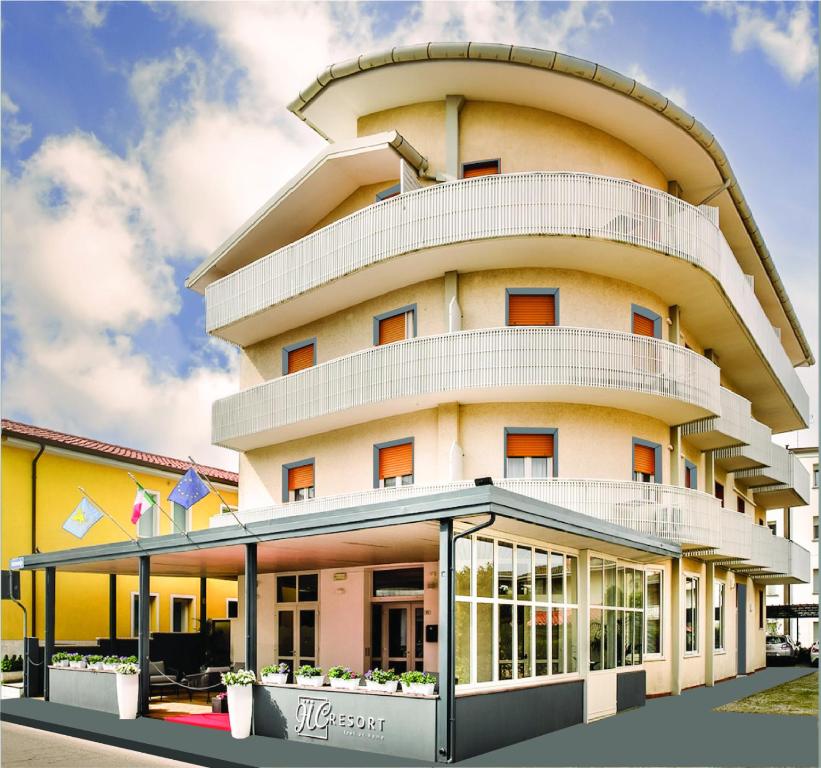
(189, 490)
(82, 518)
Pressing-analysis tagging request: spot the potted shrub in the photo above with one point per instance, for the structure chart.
(418, 682)
(128, 687)
(95, 661)
(11, 669)
(77, 661)
(276, 674)
(381, 680)
(128, 659)
(219, 704)
(343, 677)
(110, 663)
(308, 675)
(239, 686)
(60, 659)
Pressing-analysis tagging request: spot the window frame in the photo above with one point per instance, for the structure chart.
(637, 309)
(192, 613)
(155, 517)
(377, 319)
(696, 650)
(648, 444)
(172, 525)
(286, 494)
(390, 444)
(292, 348)
(488, 161)
(693, 474)
(815, 527)
(554, 431)
(719, 589)
(655, 655)
(151, 595)
(554, 292)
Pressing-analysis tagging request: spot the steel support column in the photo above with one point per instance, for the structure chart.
(251, 606)
(203, 604)
(676, 625)
(48, 642)
(709, 626)
(112, 610)
(143, 632)
(444, 713)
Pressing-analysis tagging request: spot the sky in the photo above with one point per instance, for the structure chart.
(137, 136)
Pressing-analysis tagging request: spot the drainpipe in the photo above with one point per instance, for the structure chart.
(34, 537)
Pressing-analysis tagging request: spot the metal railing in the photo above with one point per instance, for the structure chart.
(509, 205)
(465, 360)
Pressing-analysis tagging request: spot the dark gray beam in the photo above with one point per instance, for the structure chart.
(143, 633)
(203, 605)
(112, 609)
(251, 606)
(51, 595)
(444, 711)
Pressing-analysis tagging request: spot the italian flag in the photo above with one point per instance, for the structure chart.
(142, 502)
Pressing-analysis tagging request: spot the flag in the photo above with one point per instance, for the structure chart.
(143, 501)
(189, 490)
(82, 518)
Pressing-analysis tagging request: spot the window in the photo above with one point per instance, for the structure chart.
(718, 616)
(719, 493)
(653, 612)
(398, 325)
(690, 475)
(153, 613)
(616, 614)
(182, 613)
(299, 356)
(815, 581)
(739, 503)
(815, 475)
(516, 612)
(530, 452)
(393, 463)
(481, 168)
(298, 480)
(296, 626)
(815, 528)
(149, 522)
(388, 193)
(532, 306)
(645, 322)
(231, 607)
(399, 582)
(691, 614)
(646, 461)
(180, 516)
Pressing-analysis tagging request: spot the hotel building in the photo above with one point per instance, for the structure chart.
(512, 352)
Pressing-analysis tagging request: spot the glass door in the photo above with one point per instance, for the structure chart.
(296, 637)
(401, 635)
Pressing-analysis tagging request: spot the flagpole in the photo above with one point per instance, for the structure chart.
(113, 519)
(195, 466)
(173, 522)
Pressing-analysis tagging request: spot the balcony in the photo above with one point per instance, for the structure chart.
(794, 491)
(691, 519)
(554, 364)
(731, 427)
(756, 453)
(599, 224)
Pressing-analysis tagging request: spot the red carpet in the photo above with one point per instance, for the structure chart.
(214, 720)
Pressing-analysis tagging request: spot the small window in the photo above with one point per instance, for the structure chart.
(815, 581)
(815, 528)
(399, 582)
(530, 453)
(691, 614)
(645, 461)
(815, 475)
(645, 322)
(653, 610)
(718, 616)
(231, 608)
(394, 326)
(690, 475)
(302, 588)
(719, 493)
(388, 193)
(532, 306)
(298, 481)
(298, 357)
(739, 505)
(481, 168)
(761, 609)
(394, 464)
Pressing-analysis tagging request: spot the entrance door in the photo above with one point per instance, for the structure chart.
(741, 627)
(296, 637)
(402, 635)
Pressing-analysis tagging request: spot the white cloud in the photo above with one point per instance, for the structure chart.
(788, 39)
(89, 13)
(14, 132)
(673, 92)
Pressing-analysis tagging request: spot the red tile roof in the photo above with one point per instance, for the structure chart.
(98, 448)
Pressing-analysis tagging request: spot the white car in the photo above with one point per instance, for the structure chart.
(782, 648)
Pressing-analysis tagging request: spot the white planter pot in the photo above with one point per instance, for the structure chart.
(11, 677)
(98, 665)
(240, 706)
(110, 667)
(423, 689)
(128, 687)
(349, 685)
(313, 682)
(277, 678)
(64, 663)
(389, 687)
(78, 665)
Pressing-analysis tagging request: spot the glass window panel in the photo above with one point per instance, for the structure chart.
(718, 615)
(557, 641)
(419, 633)
(524, 558)
(308, 588)
(653, 612)
(638, 589)
(463, 566)
(376, 633)
(505, 553)
(524, 651)
(307, 633)
(286, 589)
(610, 582)
(596, 638)
(620, 593)
(398, 582)
(542, 630)
(691, 615)
(538, 467)
(515, 467)
(570, 578)
(541, 575)
(484, 567)
(638, 634)
(484, 642)
(397, 632)
(621, 640)
(285, 633)
(557, 577)
(610, 637)
(180, 517)
(505, 613)
(596, 581)
(572, 639)
(462, 620)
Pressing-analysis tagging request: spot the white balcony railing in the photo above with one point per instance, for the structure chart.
(469, 360)
(732, 425)
(509, 205)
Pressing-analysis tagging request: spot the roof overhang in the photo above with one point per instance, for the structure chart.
(582, 90)
(325, 540)
(333, 175)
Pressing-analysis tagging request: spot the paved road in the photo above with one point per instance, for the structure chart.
(32, 748)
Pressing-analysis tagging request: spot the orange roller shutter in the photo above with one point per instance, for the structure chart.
(392, 328)
(395, 461)
(529, 445)
(299, 359)
(489, 168)
(644, 459)
(537, 309)
(301, 477)
(643, 326)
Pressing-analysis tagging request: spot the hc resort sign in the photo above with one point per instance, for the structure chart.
(315, 716)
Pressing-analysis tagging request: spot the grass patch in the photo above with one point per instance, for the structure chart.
(797, 697)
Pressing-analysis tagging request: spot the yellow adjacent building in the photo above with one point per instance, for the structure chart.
(42, 473)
